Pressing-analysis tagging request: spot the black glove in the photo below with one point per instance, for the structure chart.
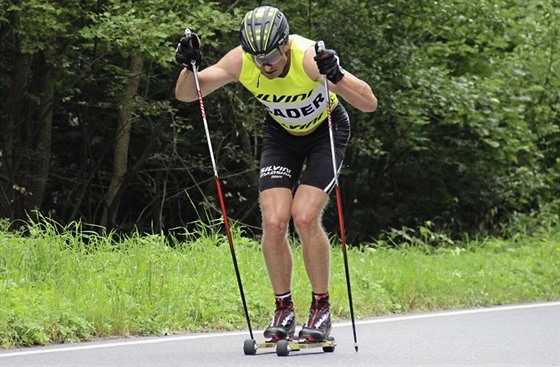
(188, 49)
(328, 63)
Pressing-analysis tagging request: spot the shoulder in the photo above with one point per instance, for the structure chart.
(300, 43)
(307, 46)
(231, 63)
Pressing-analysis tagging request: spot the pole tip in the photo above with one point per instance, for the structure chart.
(356, 347)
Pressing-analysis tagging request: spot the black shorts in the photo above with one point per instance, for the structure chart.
(284, 155)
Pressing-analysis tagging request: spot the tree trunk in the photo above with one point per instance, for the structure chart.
(42, 134)
(122, 141)
(12, 191)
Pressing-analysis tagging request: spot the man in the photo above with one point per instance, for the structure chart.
(285, 72)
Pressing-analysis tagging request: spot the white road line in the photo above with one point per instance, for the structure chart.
(166, 339)
(433, 314)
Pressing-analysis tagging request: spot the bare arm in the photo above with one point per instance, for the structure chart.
(354, 90)
(225, 71)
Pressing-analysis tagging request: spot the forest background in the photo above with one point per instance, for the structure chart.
(466, 139)
(109, 222)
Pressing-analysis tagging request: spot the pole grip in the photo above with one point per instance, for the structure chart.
(319, 47)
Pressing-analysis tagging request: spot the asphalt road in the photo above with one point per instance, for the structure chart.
(517, 335)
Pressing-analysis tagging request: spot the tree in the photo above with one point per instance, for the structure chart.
(110, 40)
(466, 134)
(32, 34)
(452, 140)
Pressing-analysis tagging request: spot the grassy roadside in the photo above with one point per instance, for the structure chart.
(66, 285)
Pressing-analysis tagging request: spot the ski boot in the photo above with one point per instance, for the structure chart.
(318, 326)
(283, 323)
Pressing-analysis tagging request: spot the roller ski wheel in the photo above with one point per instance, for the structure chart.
(250, 347)
(283, 348)
(327, 345)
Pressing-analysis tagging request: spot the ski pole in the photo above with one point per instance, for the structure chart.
(219, 190)
(320, 49)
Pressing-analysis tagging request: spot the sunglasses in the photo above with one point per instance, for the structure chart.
(269, 59)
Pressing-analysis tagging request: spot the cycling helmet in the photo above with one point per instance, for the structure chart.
(263, 30)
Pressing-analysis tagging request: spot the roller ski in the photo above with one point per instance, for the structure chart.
(280, 333)
(285, 346)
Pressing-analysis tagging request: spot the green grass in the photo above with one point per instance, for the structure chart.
(68, 284)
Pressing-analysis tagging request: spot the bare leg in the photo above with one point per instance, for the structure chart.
(307, 210)
(275, 206)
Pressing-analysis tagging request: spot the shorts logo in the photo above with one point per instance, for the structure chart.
(276, 172)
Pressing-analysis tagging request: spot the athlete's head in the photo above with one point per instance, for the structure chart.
(263, 32)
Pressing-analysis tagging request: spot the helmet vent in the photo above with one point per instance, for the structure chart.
(263, 30)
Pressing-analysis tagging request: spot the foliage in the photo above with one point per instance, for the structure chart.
(461, 122)
(70, 283)
(466, 137)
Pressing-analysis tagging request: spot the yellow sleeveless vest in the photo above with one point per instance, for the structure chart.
(295, 101)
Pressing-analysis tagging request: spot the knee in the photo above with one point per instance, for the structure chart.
(275, 225)
(305, 221)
